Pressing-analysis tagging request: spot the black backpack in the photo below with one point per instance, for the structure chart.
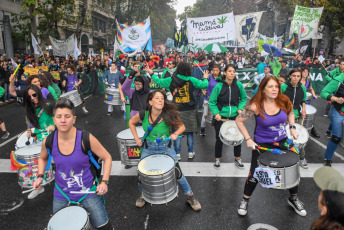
(94, 159)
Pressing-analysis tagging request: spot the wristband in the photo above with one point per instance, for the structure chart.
(105, 182)
(248, 139)
(40, 176)
(292, 127)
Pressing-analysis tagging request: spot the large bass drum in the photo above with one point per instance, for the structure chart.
(230, 134)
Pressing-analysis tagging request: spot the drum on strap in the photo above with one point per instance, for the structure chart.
(230, 134)
(303, 137)
(70, 218)
(309, 119)
(28, 174)
(158, 180)
(74, 96)
(129, 151)
(22, 140)
(112, 96)
(308, 97)
(278, 171)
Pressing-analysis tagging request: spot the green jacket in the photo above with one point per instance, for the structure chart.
(2, 92)
(275, 66)
(165, 83)
(333, 73)
(284, 87)
(52, 91)
(230, 110)
(333, 86)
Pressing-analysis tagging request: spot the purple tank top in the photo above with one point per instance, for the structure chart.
(212, 83)
(73, 172)
(45, 92)
(72, 80)
(271, 129)
(307, 84)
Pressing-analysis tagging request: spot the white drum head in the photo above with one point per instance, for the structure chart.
(229, 130)
(22, 139)
(69, 218)
(127, 135)
(302, 131)
(310, 109)
(156, 164)
(308, 94)
(28, 151)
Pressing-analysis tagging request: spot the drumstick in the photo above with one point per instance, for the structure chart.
(27, 191)
(275, 151)
(82, 192)
(224, 120)
(158, 140)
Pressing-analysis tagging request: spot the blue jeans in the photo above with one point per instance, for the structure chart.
(190, 141)
(205, 113)
(337, 129)
(162, 148)
(93, 205)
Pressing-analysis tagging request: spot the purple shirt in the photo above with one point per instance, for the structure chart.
(72, 80)
(73, 172)
(212, 83)
(271, 128)
(45, 92)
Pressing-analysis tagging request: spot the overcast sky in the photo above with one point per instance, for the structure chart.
(181, 4)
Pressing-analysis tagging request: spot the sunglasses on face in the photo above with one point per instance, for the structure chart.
(33, 95)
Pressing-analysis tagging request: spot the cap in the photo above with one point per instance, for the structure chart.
(331, 182)
(121, 56)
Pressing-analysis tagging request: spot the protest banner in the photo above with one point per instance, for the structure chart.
(305, 22)
(63, 47)
(56, 75)
(34, 71)
(218, 28)
(247, 26)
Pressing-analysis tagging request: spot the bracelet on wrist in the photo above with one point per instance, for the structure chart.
(40, 176)
(292, 127)
(105, 182)
(248, 139)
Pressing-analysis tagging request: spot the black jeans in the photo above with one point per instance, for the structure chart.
(251, 182)
(219, 143)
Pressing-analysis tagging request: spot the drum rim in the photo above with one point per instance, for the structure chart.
(72, 206)
(174, 164)
(129, 130)
(239, 133)
(277, 167)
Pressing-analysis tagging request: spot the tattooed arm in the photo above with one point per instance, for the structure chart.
(244, 116)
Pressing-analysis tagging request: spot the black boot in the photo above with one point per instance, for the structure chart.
(314, 133)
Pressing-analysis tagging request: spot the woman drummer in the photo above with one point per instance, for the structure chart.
(39, 114)
(306, 82)
(74, 178)
(272, 110)
(227, 101)
(158, 107)
(297, 95)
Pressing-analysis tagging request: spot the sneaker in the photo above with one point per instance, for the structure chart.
(179, 157)
(303, 163)
(128, 166)
(242, 210)
(217, 164)
(314, 133)
(140, 202)
(195, 205)
(327, 162)
(191, 155)
(109, 113)
(202, 133)
(328, 134)
(239, 164)
(35, 193)
(325, 115)
(84, 110)
(6, 101)
(297, 205)
(6, 135)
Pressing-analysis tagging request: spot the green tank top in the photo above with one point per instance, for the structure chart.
(160, 130)
(44, 122)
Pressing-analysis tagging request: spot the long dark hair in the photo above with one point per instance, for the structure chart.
(30, 78)
(327, 221)
(183, 69)
(30, 107)
(169, 112)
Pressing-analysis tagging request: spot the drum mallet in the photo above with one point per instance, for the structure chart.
(159, 140)
(274, 151)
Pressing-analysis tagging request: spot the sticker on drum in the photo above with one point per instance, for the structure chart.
(70, 218)
(230, 134)
(129, 152)
(156, 164)
(303, 137)
(28, 153)
(267, 177)
(28, 174)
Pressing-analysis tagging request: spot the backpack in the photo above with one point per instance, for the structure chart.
(85, 137)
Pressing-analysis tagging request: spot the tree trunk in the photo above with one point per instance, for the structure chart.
(81, 21)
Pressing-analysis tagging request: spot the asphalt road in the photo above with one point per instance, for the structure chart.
(219, 191)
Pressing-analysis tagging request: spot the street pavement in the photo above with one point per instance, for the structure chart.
(219, 191)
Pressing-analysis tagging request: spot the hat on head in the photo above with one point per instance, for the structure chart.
(121, 56)
(331, 182)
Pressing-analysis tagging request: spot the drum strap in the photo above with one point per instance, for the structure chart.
(94, 188)
(150, 129)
